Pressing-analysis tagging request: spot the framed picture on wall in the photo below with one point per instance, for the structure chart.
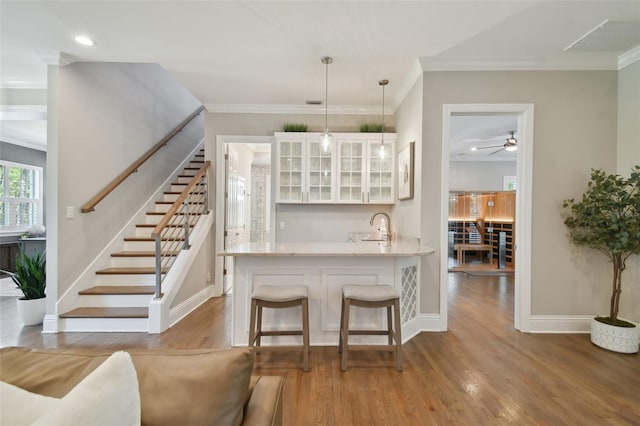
(405, 172)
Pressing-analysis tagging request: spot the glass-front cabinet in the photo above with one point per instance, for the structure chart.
(364, 175)
(353, 172)
(290, 176)
(320, 173)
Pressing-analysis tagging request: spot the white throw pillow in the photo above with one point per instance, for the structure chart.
(108, 396)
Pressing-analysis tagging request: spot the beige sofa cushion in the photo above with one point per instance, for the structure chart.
(203, 386)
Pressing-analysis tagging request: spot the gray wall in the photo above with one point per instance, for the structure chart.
(628, 156)
(408, 119)
(103, 116)
(574, 127)
(479, 175)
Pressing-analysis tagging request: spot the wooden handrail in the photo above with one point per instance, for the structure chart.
(91, 204)
(178, 203)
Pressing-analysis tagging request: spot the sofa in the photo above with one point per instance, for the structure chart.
(176, 386)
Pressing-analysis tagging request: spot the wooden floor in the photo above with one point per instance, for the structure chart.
(480, 372)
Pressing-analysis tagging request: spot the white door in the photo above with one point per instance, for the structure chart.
(235, 229)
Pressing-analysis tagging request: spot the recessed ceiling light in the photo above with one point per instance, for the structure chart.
(84, 40)
(474, 149)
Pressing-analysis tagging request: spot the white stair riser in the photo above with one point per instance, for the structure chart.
(170, 197)
(139, 246)
(133, 262)
(124, 279)
(177, 188)
(143, 231)
(116, 300)
(183, 179)
(163, 208)
(154, 219)
(132, 325)
(193, 164)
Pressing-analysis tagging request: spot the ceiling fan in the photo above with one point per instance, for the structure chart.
(511, 145)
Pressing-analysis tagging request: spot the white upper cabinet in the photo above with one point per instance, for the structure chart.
(364, 176)
(353, 172)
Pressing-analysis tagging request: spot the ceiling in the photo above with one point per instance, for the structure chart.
(257, 56)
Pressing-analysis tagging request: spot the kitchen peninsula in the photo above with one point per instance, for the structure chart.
(324, 268)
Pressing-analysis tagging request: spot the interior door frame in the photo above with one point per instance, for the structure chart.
(221, 185)
(524, 204)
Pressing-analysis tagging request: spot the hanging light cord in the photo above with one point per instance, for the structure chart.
(326, 96)
(382, 143)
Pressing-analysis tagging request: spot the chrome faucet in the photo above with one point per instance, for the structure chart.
(388, 236)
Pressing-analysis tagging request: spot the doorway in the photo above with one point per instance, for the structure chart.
(244, 205)
(522, 116)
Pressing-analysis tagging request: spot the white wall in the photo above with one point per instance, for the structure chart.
(628, 156)
(479, 175)
(108, 114)
(575, 118)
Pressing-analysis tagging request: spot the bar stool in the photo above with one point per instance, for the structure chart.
(371, 296)
(276, 297)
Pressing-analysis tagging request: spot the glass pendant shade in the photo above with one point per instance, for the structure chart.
(326, 141)
(381, 151)
(511, 148)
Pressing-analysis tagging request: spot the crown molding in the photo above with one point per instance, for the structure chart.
(629, 57)
(572, 63)
(55, 57)
(24, 144)
(294, 109)
(23, 85)
(23, 112)
(407, 84)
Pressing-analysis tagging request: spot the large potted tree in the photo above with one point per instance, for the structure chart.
(607, 219)
(30, 277)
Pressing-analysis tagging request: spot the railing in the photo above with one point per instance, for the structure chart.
(91, 204)
(172, 232)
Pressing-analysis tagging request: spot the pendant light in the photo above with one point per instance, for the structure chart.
(381, 150)
(326, 139)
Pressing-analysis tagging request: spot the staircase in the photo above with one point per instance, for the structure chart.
(119, 299)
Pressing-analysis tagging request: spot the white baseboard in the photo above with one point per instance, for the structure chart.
(50, 324)
(183, 309)
(560, 324)
(422, 322)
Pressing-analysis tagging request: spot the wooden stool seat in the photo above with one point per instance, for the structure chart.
(371, 296)
(276, 297)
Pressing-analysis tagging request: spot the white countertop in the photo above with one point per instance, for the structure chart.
(368, 248)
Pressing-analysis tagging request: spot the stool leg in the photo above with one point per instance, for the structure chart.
(252, 323)
(341, 326)
(398, 335)
(345, 335)
(305, 334)
(259, 333)
(389, 328)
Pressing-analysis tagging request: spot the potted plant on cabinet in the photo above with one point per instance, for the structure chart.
(607, 219)
(31, 279)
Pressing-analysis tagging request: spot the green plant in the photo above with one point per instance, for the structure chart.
(371, 128)
(30, 275)
(294, 127)
(607, 219)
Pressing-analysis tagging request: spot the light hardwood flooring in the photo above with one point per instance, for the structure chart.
(480, 372)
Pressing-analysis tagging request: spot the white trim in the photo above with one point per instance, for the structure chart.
(629, 57)
(530, 64)
(522, 296)
(50, 324)
(421, 323)
(23, 144)
(560, 324)
(23, 85)
(177, 313)
(295, 109)
(587, 34)
(55, 57)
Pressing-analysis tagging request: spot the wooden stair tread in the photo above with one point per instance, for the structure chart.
(179, 192)
(142, 254)
(118, 289)
(163, 213)
(153, 225)
(128, 271)
(171, 202)
(145, 239)
(94, 312)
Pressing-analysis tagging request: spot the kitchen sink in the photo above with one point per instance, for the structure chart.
(356, 237)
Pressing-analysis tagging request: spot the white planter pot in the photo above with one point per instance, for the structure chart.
(618, 339)
(31, 311)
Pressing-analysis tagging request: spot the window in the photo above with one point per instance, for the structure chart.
(20, 196)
